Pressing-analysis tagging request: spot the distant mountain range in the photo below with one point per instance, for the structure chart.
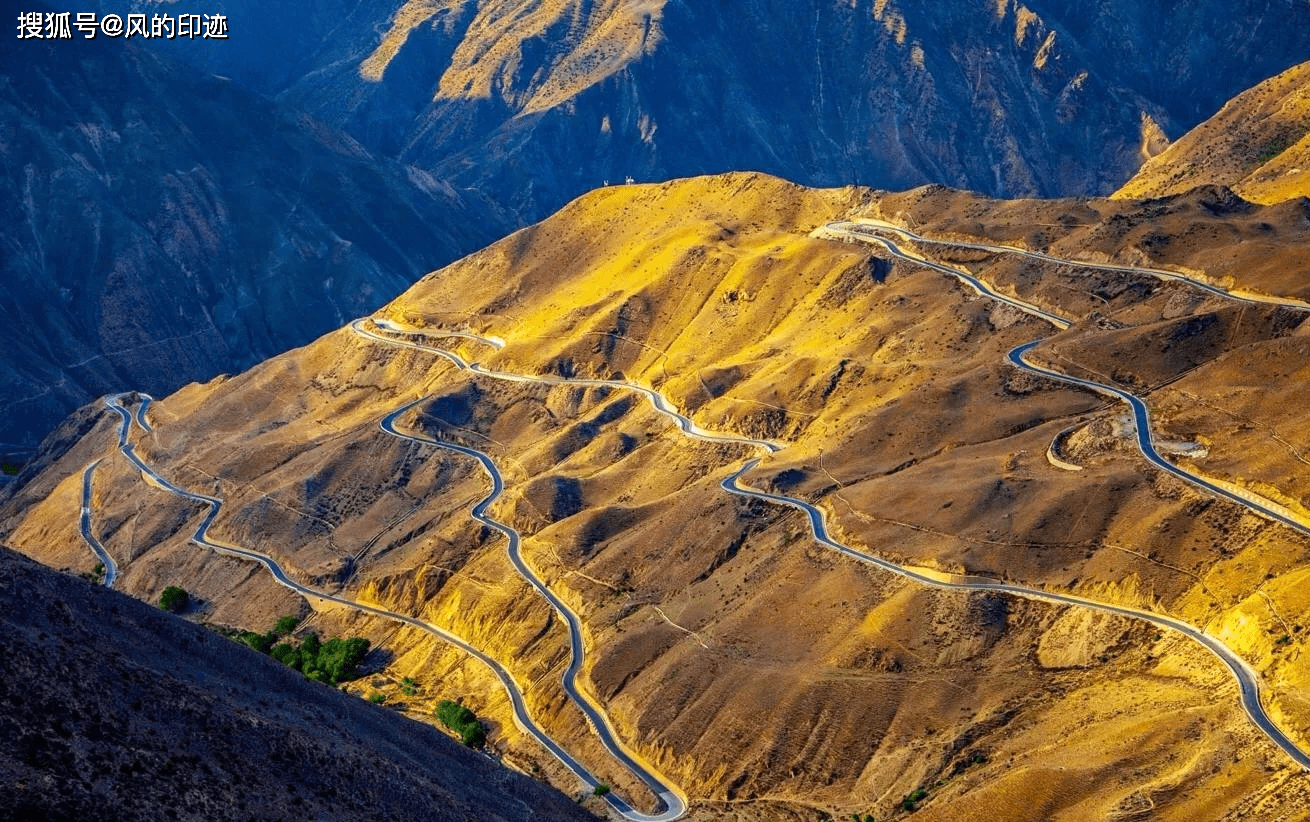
(164, 223)
(159, 225)
(535, 103)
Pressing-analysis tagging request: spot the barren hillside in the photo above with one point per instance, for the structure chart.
(113, 709)
(1258, 145)
(743, 660)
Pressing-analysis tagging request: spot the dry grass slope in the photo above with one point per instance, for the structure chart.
(769, 677)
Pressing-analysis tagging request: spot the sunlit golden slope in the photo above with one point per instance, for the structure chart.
(1258, 145)
(535, 57)
(771, 678)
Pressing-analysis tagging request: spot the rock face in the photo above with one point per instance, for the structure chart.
(535, 103)
(159, 226)
(113, 709)
(1258, 144)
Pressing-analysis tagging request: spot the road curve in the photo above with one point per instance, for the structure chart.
(867, 227)
(1141, 415)
(1146, 444)
(657, 400)
(675, 806)
(984, 289)
(146, 399)
(111, 567)
(1248, 680)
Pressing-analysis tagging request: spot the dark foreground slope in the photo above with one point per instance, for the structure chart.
(159, 226)
(112, 709)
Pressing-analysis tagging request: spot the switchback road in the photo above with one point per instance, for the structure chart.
(674, 803)
(1247, 679)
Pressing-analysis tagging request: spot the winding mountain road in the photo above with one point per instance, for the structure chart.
(657, 400)
(111, 567)
(1141, 415)
(674, 803)
(866, 228)
(1247, 679)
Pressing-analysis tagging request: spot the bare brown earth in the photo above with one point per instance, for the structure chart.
(768, 677)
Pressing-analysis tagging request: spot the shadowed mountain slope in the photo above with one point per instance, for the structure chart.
(113, 709)
(534, 103)
(159, 226)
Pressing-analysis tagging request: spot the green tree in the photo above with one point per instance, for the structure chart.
(174, 599)
(462, 721)
(287, 624)
(473, 735)
(287, 654)
(260, 642)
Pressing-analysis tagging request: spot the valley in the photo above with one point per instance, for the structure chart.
(658, 576)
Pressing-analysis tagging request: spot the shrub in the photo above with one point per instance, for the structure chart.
(260, 642)
(376, 698)
(462, 721)
(600, 790)
(473, 735)
(174, 599)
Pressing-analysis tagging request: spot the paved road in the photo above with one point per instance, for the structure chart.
(1248, 680)
(674, 804)
(146, 399)
(1145, 443)
(657, 400)
(868, 228)
(111, 567)
(984, 289)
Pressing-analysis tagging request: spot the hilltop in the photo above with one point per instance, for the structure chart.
(1258, 145)
(746, 662)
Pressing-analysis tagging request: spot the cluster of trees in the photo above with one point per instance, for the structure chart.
(173, 599)
(462, 721)
(331, 662)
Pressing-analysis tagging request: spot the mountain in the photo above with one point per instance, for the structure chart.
(1258, 145)
(750, 664)
(535, 103)
(161, 226)
(114, 709)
